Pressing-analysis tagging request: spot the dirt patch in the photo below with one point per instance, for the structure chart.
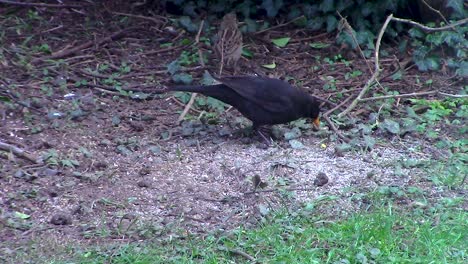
(120, 169)
(186, 182)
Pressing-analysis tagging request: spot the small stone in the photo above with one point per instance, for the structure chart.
(144, 171)
(321, 179)
(61, 219)
(100, 165)
(144, 184)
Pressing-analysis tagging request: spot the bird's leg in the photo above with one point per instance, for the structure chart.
(256, 128)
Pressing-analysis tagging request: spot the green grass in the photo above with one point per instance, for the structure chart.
(385, 235)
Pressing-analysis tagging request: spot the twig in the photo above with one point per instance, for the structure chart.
(20, 153)
(280, 25)
(42, 4)
(194, 95)
(353, 36)
(336, 106)
(436, 11)
(162, 50)
(453, 95)
(278, 190)
(163, 19)
(240, 253)
(450, 26)
(376, 70)
(396, 96)
(64, 53)
(330, 122)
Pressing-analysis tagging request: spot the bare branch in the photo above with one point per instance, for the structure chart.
(194, 95)
(376, 70)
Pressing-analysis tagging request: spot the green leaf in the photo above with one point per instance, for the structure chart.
(4, 99)
(391, 126)
(427, 64)
(293, 134)
(187, 23)
(457, 6)
(115, 120)
(207, 78)
(397, 75)
(247, 53)
(319, 45)
(22, 215)
(332, 23)
(184, 78)
(281, 42)
(369, 141)
(269, 66)
(272, 7)
(295, 144)
(173, 67)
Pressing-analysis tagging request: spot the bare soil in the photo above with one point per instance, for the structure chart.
(139, 175)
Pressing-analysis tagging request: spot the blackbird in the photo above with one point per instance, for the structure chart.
(263, 100)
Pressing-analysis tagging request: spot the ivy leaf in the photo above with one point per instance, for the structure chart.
(187, 23)
(295, 144)
(184, 78)
(391, 126)
(207, 78)
(247, 53)
(457, 6)
(250, 26)
(332, 22)
(427, 64)
(281, 42)
(272, 7)
(369, 141)
(319, 45)
(22, 215)
(270, 66)
(173, 67)
(397, 75)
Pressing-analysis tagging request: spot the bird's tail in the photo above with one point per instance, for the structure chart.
(206, 89)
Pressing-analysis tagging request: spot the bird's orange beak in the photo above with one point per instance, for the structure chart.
(316, 123)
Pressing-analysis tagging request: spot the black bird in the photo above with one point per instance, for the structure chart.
(263, 100)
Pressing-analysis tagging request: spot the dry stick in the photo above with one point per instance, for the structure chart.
(280, 25)
(451, 26)
(240, 253)
(396, 96)
(42, 4)
(163, 19)
(376, 70)
(453, 95)
(20, 152)
(332, 125)
(64, 53)
(194, 95)
(377, 48)
(436, 11)
(353, 36)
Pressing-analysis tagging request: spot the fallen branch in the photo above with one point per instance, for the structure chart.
(280, 25)
(20, 153)
(67, 52)
(194, 95)
(41, 4)
(450, 26)
(396, 96)
(240, 253)
(376, 73)
(353, 37)
(331, 124)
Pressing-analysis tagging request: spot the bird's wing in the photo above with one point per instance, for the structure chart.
(271, 94)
